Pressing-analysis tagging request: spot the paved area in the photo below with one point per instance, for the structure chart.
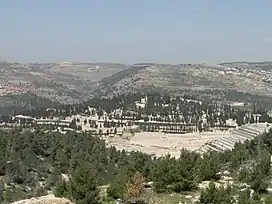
(159, 143)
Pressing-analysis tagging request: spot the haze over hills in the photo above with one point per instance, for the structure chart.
(266, 65)
(70, 82)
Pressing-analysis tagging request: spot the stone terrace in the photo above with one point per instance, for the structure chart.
(241, 134)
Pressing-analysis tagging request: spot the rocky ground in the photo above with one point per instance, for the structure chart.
(48, 199)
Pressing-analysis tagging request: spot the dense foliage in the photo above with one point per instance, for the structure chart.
(24, 103)
(32, 162)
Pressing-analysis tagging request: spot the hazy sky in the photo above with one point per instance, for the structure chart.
(129, 31)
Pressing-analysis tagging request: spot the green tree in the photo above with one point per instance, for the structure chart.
(244, 175)
(81, 188)
(215, 195)
(208, 166)
(261, 174)
(117, 189)
(163, 173)
(245, 198)
(61, 189)
(7, 195)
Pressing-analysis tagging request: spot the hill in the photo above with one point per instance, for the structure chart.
(250, 65)
(72, 82)
(23, 103)
(66, 82)
(250, 78)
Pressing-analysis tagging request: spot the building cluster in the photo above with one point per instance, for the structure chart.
(249, 72)
(14, 90)
(99, 125)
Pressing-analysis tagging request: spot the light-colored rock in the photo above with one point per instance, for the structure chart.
(48, 199)
(226, 173)
(269, 190)
(226, 178)
(65, 177)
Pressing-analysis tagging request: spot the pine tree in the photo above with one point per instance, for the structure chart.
(136, 189)
(81, 188)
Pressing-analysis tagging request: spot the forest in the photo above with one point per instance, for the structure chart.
(34, 162)
(159, 107)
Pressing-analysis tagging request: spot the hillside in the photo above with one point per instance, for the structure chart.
(251, 78)
(250, 65)
(66, 82)
(72, 82)
(16, 104)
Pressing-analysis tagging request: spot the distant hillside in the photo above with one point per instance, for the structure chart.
(191, 78)
(72, 82)
(16, 104)
(67, 82)
(250, 65)
(111, 80)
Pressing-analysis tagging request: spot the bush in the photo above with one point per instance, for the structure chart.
(82, 187)
(159, 187)
(216, 195)
(116, 190)
(184, 185)
(19, 179)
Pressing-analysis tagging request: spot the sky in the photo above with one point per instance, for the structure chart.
(131, 31)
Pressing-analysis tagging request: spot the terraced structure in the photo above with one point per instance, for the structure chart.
(241, 134)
